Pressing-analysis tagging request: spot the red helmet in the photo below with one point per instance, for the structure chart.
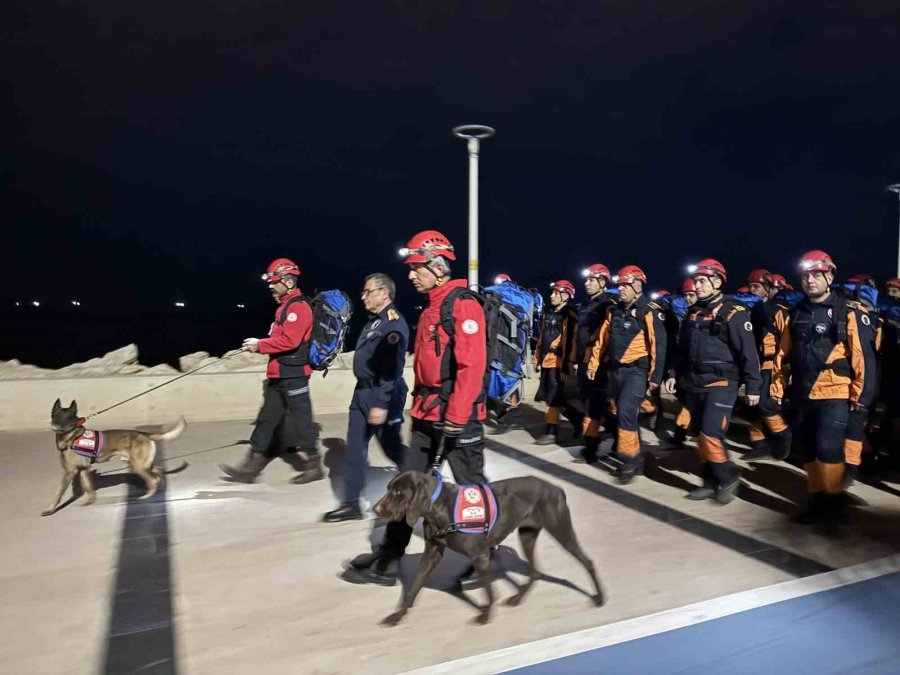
(866, 279)
(629, 274)
(500, 278)
(688, 286)
(817, 261)
(763, 277)
(708, 267)
(596, 271)
(893, 283)
(662, 293)
(278, 268)
(426, 245)
(564, 286)
(779, 282)
(743, 289)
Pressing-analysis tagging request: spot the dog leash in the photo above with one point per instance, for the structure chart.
(174, 379)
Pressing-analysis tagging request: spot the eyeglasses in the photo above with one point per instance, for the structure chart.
(366, 291)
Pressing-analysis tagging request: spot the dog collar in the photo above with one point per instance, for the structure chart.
(80, 422)
(440, 484)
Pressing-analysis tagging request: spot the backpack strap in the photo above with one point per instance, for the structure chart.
(284, 310)
(448, 363)
(300, 356)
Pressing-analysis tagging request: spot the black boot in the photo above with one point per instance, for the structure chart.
(781, 449)
(549, 437)
(851, 473)
(631, 467)
(346, 511)
(383, 572)
(727, 477)
(249, 468)
(589, 454)
(679, 436)
(759, 451)
(309, 464)
(814, 511)
(708, 489)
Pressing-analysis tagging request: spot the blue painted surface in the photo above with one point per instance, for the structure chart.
(851, 629)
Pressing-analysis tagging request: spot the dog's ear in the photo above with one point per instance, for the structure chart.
(57, 405)
(73, 405)
(419, 503)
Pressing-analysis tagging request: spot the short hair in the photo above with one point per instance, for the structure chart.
(384, 281)
(294, 277)
(443, 262)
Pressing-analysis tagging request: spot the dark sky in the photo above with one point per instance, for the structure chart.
(163, 150)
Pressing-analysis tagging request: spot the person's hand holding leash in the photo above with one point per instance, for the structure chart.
(251, 345)
(377, 416)
(670, 385)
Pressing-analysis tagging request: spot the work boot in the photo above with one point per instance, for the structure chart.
(708, 489)
(725, 494)
(383, 572)
(589, 454)
(758, 454)
(814, 511)
(549, 437)
(782, 449)
(346, 511)
(631, 467)
(309, 465)
(249, 468)
(679, 436)
(851, 473)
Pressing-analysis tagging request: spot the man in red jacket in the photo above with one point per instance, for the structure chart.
(287, 410)
(448, 406)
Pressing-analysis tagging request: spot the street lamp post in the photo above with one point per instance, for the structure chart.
(474, 134)
(895, 188)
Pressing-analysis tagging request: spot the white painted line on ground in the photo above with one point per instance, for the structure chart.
(548, 649)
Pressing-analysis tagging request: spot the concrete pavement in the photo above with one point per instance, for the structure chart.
(254, 581)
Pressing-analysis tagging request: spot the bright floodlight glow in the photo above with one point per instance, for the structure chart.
(692, 268)
(403, 252)
(239, 306)
(585, 273)
(179, 304)
(76, 303)
(35, 303)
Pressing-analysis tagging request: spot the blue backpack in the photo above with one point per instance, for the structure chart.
(508, 314)
(331, 315)
(789, 298)
(680, 307)
(747, 300)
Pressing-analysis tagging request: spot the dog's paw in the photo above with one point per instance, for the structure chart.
(49, 512)
(482, 619)
(514, 601)
(598, 599)
(393, 619)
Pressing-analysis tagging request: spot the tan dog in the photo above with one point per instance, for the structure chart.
(80, 448)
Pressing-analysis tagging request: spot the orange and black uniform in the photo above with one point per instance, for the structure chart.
(632, 346)
(717, 353)
(556, 353)
(592, 392)
(828, 358)
(768, 426)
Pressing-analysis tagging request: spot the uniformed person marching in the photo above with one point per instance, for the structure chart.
(826, 357)
(380, 395)
(716, 354)
(632, 345)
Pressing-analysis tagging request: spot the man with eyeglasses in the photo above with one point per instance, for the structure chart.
(448, 408)
(376, 408)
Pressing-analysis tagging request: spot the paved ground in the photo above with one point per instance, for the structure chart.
(216, 577)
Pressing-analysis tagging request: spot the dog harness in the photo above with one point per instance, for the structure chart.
(475, 509)
(89, 444)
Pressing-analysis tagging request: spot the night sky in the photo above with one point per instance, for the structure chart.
(164, 151)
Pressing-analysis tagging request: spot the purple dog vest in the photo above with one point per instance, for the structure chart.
(89, 444)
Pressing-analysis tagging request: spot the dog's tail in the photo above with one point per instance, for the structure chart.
(171, 434)
(177, 469)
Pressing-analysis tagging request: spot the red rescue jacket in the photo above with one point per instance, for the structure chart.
(291, 328)
(469, 354)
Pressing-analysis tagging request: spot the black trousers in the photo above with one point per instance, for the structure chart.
(464, 454)
(627, 387)
(286, 413)
(593, 397)
(822, 425)
(359, 433)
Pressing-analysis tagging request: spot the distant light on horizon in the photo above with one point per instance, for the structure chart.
(76, 303)
(17, 303)
(179, 304)
(240, 306)
(36, 303)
